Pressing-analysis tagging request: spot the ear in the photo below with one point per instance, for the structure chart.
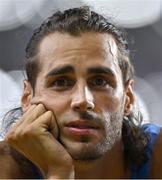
(130, 97)
(27, 96)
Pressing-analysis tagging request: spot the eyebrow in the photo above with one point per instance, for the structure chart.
(101, 70)
(60, 70)
(92, 70)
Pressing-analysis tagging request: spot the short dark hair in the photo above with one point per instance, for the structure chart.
(75, 22)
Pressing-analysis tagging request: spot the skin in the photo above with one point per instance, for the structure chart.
(54, 111)
(6, 170)
(68, 99)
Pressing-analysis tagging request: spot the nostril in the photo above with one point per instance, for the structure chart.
(76, 107)
(89, 108)
(82, 105)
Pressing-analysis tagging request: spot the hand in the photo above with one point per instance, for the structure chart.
(35, 136)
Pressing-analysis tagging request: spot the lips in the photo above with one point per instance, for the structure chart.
(82, 124)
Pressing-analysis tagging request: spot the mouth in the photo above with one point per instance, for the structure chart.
(82, 127)
(82, 124)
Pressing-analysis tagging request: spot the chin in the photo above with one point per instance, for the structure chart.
(93, 147)
(86, 151)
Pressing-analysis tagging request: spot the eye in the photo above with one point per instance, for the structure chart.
(62, 83)
(98, 81)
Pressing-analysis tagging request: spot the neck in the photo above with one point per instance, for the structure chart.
(111, 165)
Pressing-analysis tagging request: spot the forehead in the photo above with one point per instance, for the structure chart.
(85, 50)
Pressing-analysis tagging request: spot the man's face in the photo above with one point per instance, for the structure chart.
(81, 82)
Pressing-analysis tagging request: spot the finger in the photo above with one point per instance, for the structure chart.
(18, 121)
(47, 122)
(32, 115)
(29, 116)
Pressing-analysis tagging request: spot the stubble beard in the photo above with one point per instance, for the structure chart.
(113, 130)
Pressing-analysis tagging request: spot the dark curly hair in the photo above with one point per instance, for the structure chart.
(75, 22)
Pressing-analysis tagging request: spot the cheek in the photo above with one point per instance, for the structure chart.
(111, 104)
(54, 102)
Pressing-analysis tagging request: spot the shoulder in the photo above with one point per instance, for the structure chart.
(156, 162)
(13, 164)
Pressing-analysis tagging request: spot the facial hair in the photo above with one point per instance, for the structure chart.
(112, 125)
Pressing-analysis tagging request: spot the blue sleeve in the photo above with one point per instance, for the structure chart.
(143, 171)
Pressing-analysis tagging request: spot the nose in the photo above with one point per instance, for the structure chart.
(82, 99)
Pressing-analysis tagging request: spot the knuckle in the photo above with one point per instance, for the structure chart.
(28, 131)
(8, 137)
(20, 135)
(49, 114)
(11, 137)
(42, 107)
